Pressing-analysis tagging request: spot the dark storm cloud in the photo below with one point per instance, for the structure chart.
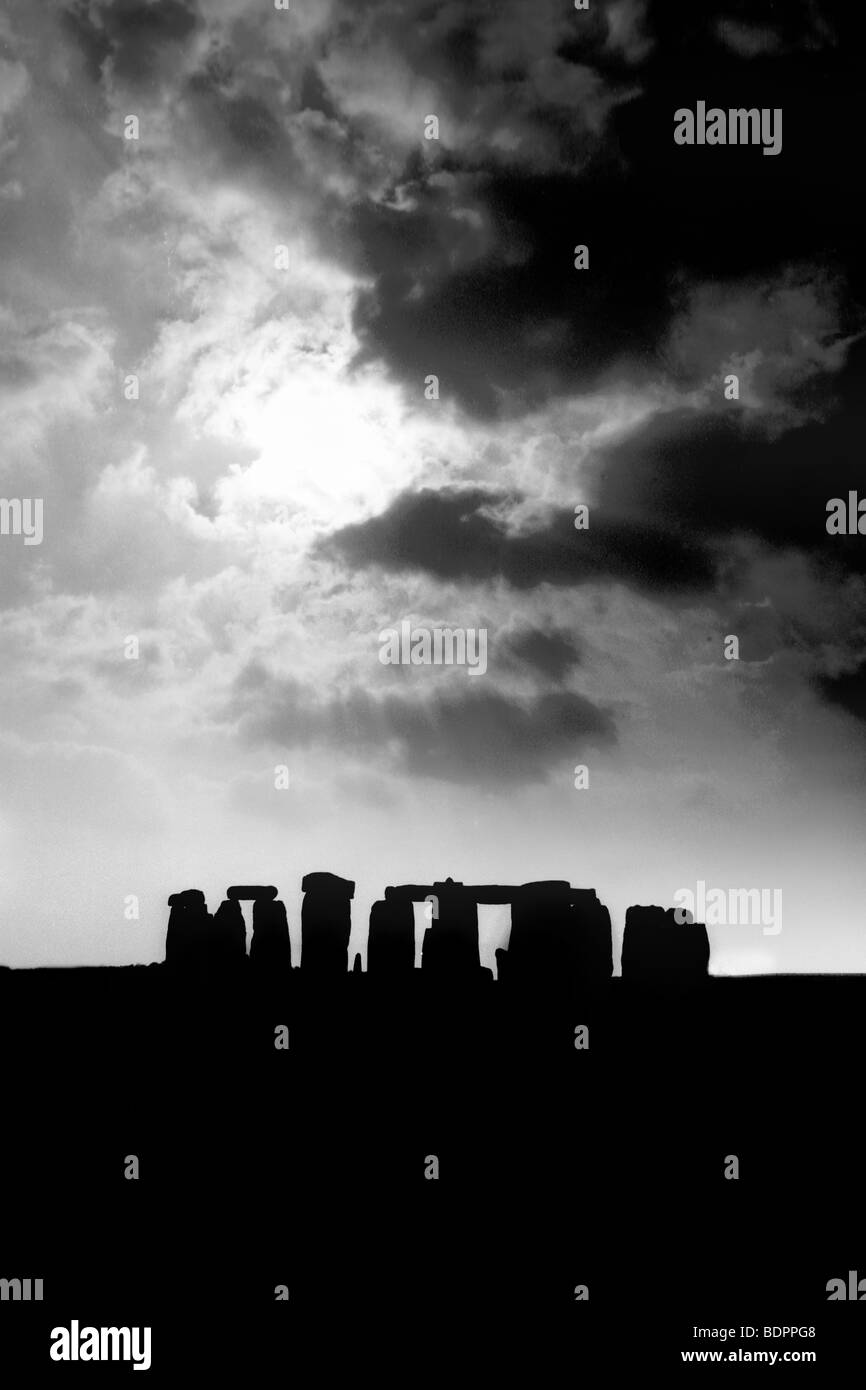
(526, 150)
(847, 691)
(511, 66)
(556, 132)
(773, 28)
(669, 498)
(245, 122)
(131, 33)
(468, 735)
(16, 371)
(484, 735)
(549, 654)
(520, 324)
(714, 475)
(761, 28)
(748, 40)
(452, 535)
(91, 38)
(510, 328)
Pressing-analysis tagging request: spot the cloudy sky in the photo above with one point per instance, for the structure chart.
(281, 491)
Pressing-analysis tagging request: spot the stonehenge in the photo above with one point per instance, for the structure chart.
(560, 935)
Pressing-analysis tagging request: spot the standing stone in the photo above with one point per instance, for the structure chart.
(391, 941)
(189, 923)
(657, 948)
(451, 940)
(592, 936)
(541, 945)
(326, 924)
(229, 934)
(271, 947)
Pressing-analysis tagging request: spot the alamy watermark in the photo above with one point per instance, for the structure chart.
(21, 1290)
(76, 1343)
(730, 907)
(22, 517)
(736, 126)
(846, 518)
(438, 646)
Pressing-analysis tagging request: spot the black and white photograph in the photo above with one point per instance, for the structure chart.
(432, 690)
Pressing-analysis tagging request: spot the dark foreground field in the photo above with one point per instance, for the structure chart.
(559, 1167)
